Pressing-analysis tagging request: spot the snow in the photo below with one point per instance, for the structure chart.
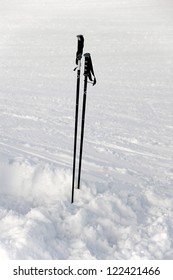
(124, 209)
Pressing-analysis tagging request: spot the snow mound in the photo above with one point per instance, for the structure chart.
(34, 182)
(37, 220)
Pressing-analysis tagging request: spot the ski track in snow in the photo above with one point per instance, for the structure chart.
(124, 209)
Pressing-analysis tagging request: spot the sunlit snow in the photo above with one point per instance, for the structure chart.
(124, 209)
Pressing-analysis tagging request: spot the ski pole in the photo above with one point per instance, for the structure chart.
(78, 62)
(88, 70)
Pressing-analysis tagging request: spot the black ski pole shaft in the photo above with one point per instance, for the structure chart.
(78, 62)
(88, 73)
(75, 132)
(82, 129)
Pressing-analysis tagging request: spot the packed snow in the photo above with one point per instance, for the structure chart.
(124, 209)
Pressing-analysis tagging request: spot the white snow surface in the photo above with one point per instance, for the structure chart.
(124, 209)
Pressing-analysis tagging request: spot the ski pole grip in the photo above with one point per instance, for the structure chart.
(80, 47)
(87, 67)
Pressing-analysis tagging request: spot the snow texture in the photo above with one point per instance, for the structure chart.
(124, 209)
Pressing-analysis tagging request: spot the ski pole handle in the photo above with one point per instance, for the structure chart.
(80, 47)
(88, 69)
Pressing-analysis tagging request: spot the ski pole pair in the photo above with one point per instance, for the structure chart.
(88, 74)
